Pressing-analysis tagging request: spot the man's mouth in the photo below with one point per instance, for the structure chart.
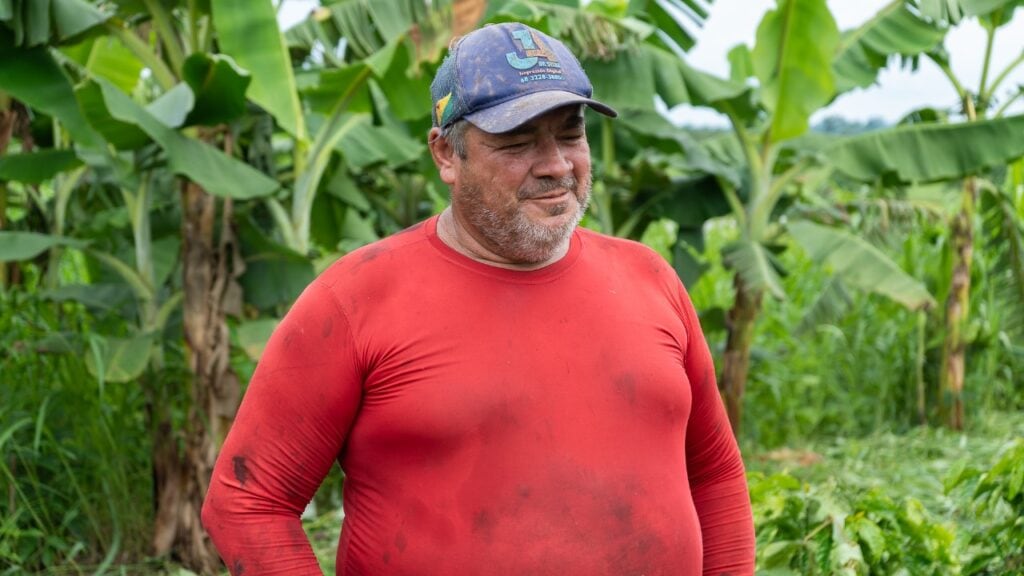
(566, 188)
(550, 195)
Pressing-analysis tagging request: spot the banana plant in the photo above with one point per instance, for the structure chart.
(94, 90)
(351, 99)
(1002, 236)
(976, 105)
(800, 63)
(794, 65)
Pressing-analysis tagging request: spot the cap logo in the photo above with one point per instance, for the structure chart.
(534, 55)
(441, 107)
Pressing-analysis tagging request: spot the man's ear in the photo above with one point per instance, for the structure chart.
(444, 156)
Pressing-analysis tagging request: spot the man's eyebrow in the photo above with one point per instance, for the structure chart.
(574, 121)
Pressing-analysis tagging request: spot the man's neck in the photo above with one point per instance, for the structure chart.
(458, 238)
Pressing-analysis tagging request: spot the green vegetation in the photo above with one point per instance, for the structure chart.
(888, 504)
(174, 172)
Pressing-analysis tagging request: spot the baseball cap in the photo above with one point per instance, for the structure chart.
(503, 75)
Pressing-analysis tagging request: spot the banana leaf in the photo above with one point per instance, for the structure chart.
(119, 360)
(865, 50)
(109, 58)
(366, 143)
(218, 173)
(755, 265)
(247, 30)
(920, 153)
(16, 246)
(860, 264)
(36, 22)
(121, 135)
(97, 296)
(952, 11)
(793, 61)
(252, 336)
(33, 77)
(219, 87)
(37, 167)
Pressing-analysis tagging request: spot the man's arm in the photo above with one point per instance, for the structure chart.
(289, 430)
(717, 478)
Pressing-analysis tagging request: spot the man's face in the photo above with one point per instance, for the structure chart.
(521, 193)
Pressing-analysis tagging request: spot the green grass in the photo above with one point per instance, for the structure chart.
(900, 484)
(73, 474)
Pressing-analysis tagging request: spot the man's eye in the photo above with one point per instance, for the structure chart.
(513, 146)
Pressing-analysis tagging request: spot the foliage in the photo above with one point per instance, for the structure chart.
(847, 364)
(876, 504)
(818, 530)
(72, 470)
(997, 504)
(315, 137)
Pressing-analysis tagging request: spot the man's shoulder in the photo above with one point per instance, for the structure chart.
(631, 261)
(621, 249)
(390, 255)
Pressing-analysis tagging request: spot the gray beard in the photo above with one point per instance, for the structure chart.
(513, 236)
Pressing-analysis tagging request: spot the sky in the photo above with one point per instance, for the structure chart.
(896, 92)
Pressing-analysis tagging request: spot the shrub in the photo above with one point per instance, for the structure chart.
(805, 529)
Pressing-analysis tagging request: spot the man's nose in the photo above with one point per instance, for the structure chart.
(552, 160)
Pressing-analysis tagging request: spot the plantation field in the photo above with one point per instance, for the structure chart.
(173, 173)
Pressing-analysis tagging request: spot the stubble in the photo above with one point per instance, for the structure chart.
(510, 233)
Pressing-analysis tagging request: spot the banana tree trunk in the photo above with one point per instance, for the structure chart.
(210, 266)
(951, 379)
(740, 326)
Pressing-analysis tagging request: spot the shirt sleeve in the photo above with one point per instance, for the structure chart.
(717, 477)
(289, 430)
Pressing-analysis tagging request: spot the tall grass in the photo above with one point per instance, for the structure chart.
(74, 473)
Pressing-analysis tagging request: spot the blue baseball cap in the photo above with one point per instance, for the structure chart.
(503, 75)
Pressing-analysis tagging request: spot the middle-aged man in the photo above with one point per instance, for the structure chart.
(506, 393)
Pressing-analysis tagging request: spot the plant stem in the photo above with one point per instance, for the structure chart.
(1002, 109)
(608, 147)
(193, 27)
(738, 211)
(602, 199)
(944, 66)
(740, 322)
(983, 92)
(768, 192)
(919, 360)
(164, 23)
(308, 175)
(1005, 72)
(138, 211)
(749, 150)
(961, 244)
(284, 224)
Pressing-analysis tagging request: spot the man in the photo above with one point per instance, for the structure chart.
(506, 393)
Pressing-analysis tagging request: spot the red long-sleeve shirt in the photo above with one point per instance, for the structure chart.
(559, 421)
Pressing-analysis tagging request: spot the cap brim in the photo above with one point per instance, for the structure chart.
(512, 114)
